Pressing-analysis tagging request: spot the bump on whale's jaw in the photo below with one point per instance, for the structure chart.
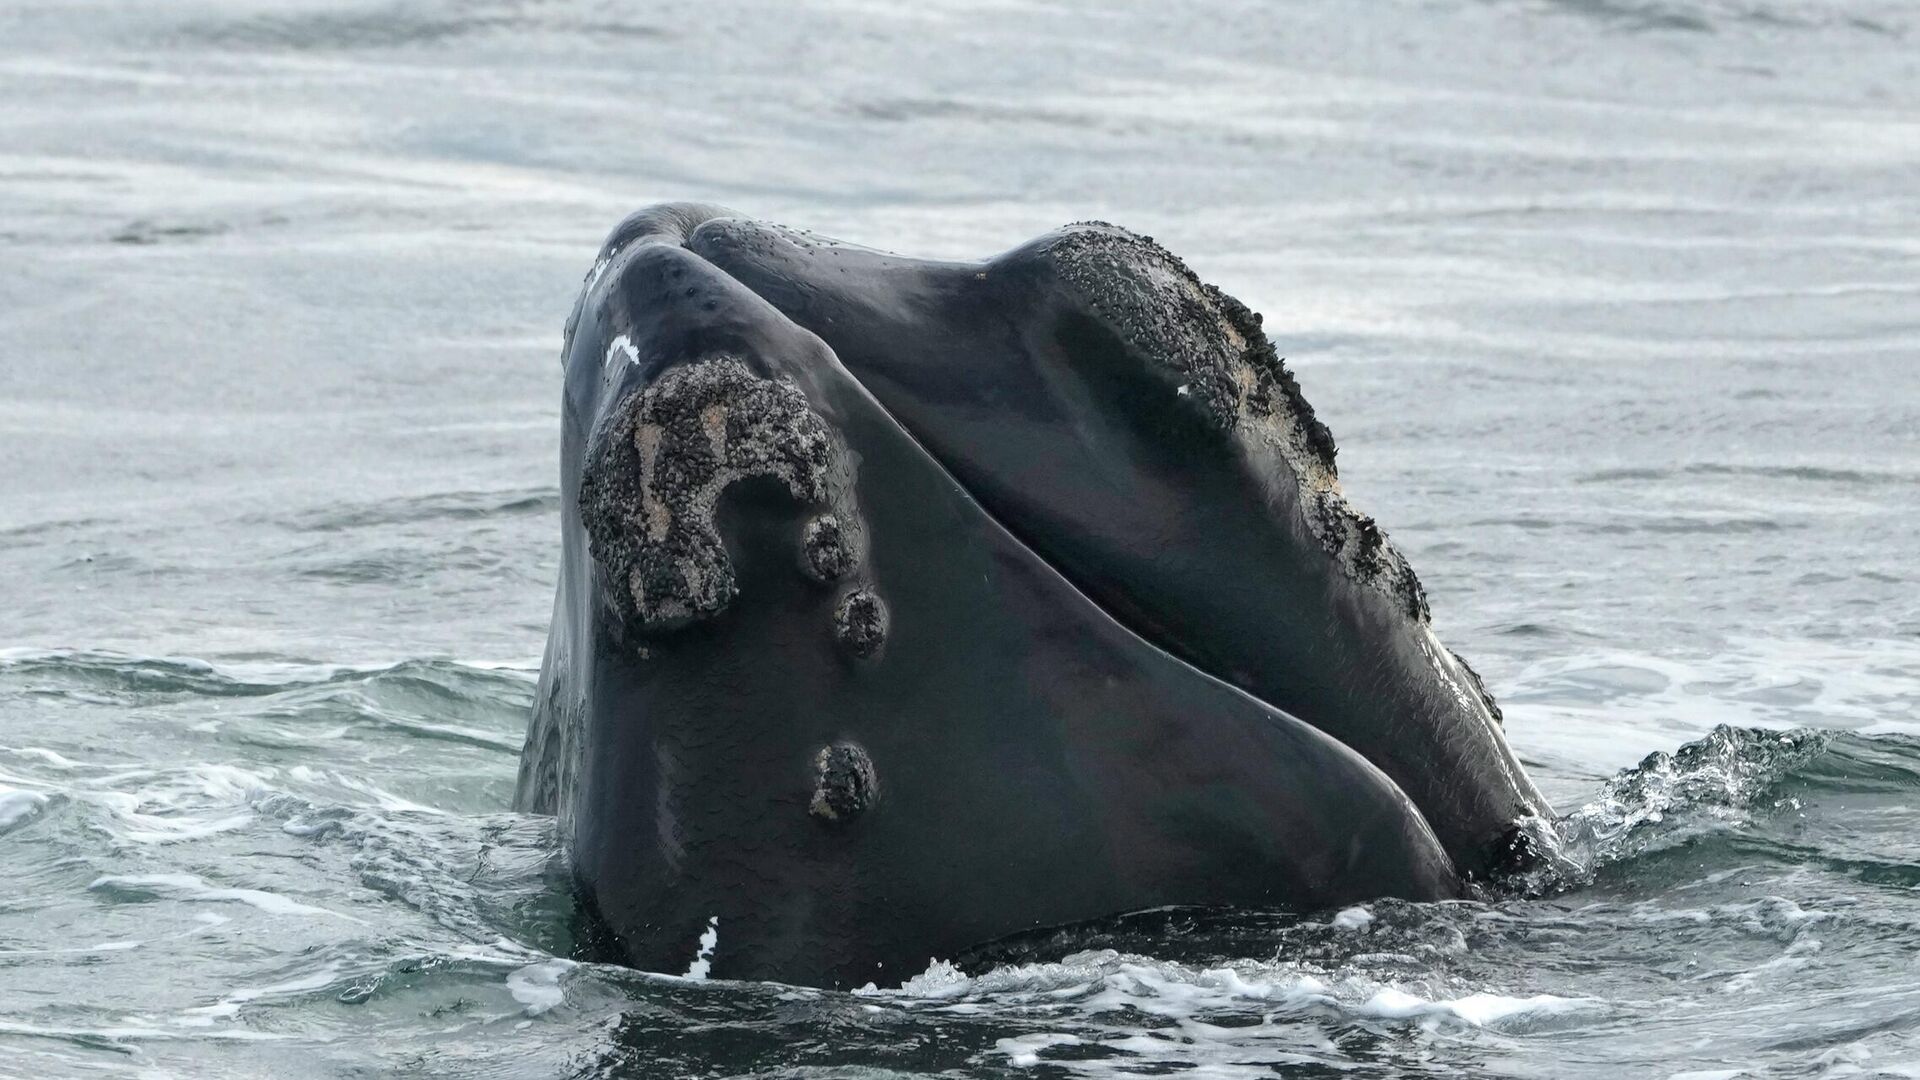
(1047, 552)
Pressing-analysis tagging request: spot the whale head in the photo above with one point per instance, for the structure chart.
(905, 605)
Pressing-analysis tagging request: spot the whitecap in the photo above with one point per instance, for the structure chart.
(17, 806)
(191, 887)
(228, 1007)
(1479, 1010)
(1024, 1051)
(1353, 918)
(537, 986)
(51, 757)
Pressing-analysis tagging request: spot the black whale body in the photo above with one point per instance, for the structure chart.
(907, 605)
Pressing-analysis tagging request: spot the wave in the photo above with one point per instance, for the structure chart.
(1809, 473)
(164, 750)
(1713, 16)
(437, 506)
(135, 680)
(1724, 796)
(405, 26)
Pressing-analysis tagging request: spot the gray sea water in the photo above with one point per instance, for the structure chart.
(1614, 306)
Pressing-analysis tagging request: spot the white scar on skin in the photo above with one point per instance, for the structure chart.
(709, 940)
(621, 344)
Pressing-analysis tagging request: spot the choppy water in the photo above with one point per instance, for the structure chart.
(1614, 306)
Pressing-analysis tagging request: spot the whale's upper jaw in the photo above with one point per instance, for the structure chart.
(1128, 429)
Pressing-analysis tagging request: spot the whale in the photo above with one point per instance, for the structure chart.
(908, 605)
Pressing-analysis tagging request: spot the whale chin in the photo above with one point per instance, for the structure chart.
(907, 605)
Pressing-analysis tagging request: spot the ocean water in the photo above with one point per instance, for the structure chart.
(1613, 305)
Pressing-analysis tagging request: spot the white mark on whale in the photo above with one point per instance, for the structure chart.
(709, 939)
(599, 268)
(621, 344)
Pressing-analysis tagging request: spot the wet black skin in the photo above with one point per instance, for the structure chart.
(1118, 670)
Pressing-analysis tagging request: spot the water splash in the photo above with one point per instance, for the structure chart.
(1715, 784)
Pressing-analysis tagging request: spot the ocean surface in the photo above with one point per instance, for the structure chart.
(1613, 306)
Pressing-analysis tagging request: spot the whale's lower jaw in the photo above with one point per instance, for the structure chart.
(905, 606)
